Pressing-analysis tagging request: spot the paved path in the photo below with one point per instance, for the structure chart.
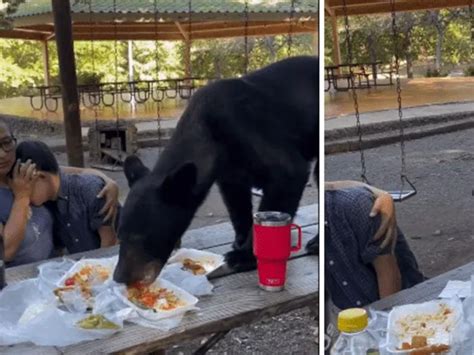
(392, 115)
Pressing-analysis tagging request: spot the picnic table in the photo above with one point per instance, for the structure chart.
(236, 299)
(46, 97)
(429, 290)
(426, 291)
(359, 70)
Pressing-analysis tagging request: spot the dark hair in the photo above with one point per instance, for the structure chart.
(40, 154)
(7, 126)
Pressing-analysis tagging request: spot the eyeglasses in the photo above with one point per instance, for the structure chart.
(8, 144)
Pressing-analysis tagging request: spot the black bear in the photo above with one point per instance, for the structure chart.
(260, 130)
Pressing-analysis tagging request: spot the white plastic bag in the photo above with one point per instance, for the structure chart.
(28, 315)
(197, 285)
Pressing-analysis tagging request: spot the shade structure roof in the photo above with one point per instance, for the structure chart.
(366, 7)
(135, 19)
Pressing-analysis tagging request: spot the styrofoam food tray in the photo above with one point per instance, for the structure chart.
(108, 263)
(443, 331)
(209, 261)
(189, 300)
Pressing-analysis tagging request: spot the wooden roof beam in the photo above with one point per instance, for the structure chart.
(240, 32)
(18, 34)
(400, 7)
(182, 31)
(328, 9)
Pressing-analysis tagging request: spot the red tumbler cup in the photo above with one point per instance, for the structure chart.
(272, 247)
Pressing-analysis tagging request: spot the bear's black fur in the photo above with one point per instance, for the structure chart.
(260, 130)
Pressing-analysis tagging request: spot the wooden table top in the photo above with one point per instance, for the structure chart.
(236, 300)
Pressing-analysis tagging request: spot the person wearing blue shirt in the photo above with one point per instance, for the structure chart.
(72, 200)
(360, 267)
(28, 230)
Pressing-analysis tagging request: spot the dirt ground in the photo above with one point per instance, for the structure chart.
(291, 333)
(438, 222)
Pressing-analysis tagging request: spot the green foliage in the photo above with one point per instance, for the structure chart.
(419, 35)
(21, 62)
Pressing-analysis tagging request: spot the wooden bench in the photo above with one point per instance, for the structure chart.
(237, 300)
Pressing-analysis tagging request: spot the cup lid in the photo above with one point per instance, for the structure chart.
(271, 218)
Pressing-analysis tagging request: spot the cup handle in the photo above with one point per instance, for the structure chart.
(298, 246)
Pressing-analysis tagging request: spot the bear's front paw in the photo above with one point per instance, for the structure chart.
(241, 260)
(313, 246)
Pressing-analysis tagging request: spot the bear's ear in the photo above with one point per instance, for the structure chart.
(134, 169)
(177, 188)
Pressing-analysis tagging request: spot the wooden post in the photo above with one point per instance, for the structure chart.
(315, 41)
(336, 49)
(67, 71)
(187, 50)
(45, 50)
(187, 58)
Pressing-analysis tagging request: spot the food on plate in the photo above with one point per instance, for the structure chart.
(426, 324)
(153, 298)
(97, 321)
(194, 266)
(419, 346)
(84, 279)
(88, 275)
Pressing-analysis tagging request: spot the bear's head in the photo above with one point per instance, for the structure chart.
(154, 217)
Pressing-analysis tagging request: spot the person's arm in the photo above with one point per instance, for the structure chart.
(15, 226)
(106, 230)
(383, 205)
(108, 236)
(388, 275)
(110, 190)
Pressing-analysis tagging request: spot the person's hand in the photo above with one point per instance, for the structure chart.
(21, 183)
(111, 193)
(385, 206)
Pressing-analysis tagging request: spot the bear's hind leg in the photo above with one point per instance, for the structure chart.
(238, 200)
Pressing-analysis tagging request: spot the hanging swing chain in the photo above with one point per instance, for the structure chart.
(290, 30)
(91, 34)
(92, 48)
(190, 35)
(246, 37)
(399, 91)
(471, 17)
(354, 93)
(157, 76)
(117, 118)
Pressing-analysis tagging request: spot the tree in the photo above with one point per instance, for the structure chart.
(440, 20)
(406, 23)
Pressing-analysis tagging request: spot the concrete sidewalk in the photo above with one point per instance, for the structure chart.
(383, 127)
(369, 118)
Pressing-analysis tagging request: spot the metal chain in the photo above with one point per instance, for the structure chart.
(354, 93)
(399, 91)
(190, 34)
(471, 17)
(117, 107)
(157, 75)
(92, 48)
(246, 37)
(290, 30)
